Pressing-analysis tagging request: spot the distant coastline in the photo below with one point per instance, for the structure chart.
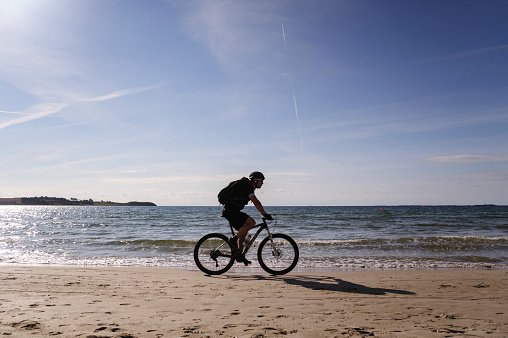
(44, 200)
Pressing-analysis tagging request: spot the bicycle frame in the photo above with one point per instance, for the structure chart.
(261, 226)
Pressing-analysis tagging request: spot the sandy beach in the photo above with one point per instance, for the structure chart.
(41, 301)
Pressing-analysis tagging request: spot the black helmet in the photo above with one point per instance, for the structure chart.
(257, 175)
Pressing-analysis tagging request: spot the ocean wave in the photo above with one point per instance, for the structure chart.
(409, 240)
(434, 242)
(153, 242)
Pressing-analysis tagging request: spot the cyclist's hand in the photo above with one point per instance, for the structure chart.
(268, 217)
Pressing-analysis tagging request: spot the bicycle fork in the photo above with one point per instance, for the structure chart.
(275, 252)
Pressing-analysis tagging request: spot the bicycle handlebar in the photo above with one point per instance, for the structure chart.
(265, 222)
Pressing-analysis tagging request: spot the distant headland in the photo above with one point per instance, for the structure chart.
(44, 200)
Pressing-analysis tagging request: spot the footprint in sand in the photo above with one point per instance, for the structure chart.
(27, 325)
(102, 328)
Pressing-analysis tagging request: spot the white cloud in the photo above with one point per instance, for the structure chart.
(46, 109)
(36, 70)
(11, 112)
(235, 31)
(469, 158)
(465, 54)
(417, 116)
(162, 179)
(198, 178)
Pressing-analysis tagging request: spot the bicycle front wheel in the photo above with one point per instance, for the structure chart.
(213, 255)
(279, 255)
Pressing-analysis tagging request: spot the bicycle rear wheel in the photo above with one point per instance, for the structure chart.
(212, 254)
(280, 257)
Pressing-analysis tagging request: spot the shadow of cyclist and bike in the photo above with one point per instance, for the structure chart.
(325, 283)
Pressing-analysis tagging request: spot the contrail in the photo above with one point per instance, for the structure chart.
(41, 110)
(294, 92)
(232, 146)
(120, 93)
(284, 35)
(296, 113)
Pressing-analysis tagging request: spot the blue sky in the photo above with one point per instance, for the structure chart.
(338, 102)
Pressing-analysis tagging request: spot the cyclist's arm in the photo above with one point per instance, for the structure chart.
(257, 204)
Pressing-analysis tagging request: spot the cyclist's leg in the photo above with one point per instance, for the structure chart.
(239, 220)
(242, 232)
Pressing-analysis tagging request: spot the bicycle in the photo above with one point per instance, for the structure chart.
(277, 253)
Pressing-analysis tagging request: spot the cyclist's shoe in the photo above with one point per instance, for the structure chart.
(233, 242)
(240, 258)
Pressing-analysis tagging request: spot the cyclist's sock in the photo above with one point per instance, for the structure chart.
(233, 242)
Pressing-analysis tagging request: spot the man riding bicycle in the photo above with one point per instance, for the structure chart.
(243, 192)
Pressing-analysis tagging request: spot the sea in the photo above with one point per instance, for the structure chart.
(329, 238)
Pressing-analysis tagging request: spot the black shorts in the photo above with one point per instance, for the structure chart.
(235, 217)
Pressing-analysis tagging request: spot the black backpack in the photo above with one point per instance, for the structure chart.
(230, 192)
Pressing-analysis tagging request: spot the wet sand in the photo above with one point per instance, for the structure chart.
(42, 301)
